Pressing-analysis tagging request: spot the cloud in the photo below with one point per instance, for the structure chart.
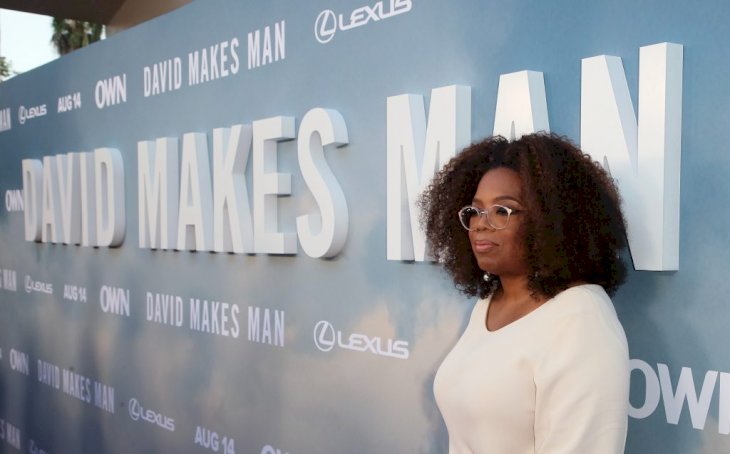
(347, 401)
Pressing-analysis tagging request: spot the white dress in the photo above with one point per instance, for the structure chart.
(553, 381)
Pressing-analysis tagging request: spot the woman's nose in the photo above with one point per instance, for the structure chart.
(483, 223)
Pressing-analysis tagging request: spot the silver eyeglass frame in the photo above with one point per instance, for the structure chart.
(484, 213)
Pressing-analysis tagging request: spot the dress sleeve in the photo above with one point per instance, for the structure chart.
(582, 386)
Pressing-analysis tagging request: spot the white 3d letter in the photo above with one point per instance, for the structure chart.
(194, 229)
(521, 105)
(158, 186)
(70, 196)
(51, 202)
(110, 213)
(88, 199)
(231, 211)
(411, 146)
(268, 185)
(644, 160)
(319, 129)
(32, 190)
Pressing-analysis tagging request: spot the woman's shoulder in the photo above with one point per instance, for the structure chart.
(586, 308)
(587, 304)
(583, 298)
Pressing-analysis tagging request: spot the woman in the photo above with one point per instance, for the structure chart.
(533, 227)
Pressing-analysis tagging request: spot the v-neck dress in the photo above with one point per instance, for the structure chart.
(554, 381)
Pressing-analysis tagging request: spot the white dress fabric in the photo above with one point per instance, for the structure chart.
(553, 381)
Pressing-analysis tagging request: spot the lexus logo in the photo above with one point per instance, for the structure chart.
(324, 335)
(325, 26)
(135, 409)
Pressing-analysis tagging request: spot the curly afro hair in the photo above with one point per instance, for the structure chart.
(573, 229)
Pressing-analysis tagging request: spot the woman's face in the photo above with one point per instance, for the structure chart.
(499, 252)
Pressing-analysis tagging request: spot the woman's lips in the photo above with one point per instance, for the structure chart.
(483, 245)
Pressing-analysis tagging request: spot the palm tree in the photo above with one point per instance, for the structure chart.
(5, 69)
(70, 34)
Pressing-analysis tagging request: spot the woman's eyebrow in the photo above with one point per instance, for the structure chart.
(508, 197)
(501, 198)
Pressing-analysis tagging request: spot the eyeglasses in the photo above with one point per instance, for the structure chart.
(497, 216)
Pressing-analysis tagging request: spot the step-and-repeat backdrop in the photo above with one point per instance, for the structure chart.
(209, 237)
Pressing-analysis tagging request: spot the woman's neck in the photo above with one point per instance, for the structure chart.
(514, 289)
